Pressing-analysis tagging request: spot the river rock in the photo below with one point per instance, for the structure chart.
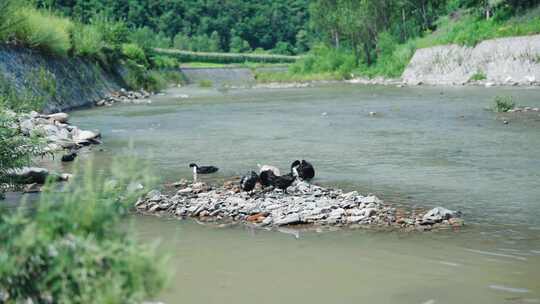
(28, 175)
(59, 117)
(438, 214)
(83, 135)
(287, 220)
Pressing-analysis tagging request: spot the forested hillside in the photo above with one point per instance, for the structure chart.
(196, 25)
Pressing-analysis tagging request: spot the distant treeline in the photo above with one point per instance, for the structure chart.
(278, 26)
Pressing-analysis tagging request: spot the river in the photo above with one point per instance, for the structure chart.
(423, 147)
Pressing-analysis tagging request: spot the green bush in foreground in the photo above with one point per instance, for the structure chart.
(16, 150)
(504, 103)
(72, 248)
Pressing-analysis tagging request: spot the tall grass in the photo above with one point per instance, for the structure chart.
(43, 30)
(503, 103)
(72, 249)
(87, 41)
(470, 30)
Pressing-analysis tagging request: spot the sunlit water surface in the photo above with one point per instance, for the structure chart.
(423, 147)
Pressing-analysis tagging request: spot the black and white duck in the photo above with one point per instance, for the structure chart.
(248, 182)
(304, 169)
(202, 170)
(274, 169)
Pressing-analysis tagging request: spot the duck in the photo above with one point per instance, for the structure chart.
(264, 178)
(268, 178)
(274, 170)
(202, 170)
(248, 182)
(304, 169)
(69, 157)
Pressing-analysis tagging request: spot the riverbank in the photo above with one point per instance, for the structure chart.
(302, 205)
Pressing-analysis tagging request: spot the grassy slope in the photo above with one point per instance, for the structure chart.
(462, 29)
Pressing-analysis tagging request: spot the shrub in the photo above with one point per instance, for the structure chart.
(16, 150)
(114, 33)
(323, 59)
(478, 76)
(147, 39)
(282, 48)
(174, 77)
(164, 62)
(504, 103)
(9, 19)
(205, 83)
(87, 40)
(43, 30)
(139, 77)
(135, 53)
(72, 248)
(239, 45)
(155, 81)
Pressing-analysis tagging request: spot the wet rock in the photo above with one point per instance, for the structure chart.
(84, 136)
(33, 188)
(288, 220)
(59, 117)
(438, 214)
(28, 175)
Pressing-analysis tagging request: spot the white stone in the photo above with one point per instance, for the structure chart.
(59, 117)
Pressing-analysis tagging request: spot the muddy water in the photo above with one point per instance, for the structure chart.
(423, 147)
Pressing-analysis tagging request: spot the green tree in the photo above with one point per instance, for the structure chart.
(239, 45)
(215, 42)
(181, 41)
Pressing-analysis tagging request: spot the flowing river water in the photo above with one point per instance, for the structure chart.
(424, 147)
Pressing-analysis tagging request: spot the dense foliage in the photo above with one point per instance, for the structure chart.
(16, 150)
(72, 248)
(197, 25)
(382, 35)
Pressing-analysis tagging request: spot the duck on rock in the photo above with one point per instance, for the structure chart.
(268, 178)
(248, 182)
(304, 169)
(274, 169)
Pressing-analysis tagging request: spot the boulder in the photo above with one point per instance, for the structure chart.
(28, 175)
(84, 136)
(438, 214)
(59, 117)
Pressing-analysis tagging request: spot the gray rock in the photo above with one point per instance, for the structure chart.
(287, 220)
(439, 214)
(85, 135)
(28, 175)
(59, 117)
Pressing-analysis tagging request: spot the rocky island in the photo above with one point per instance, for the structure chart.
(303, 205)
